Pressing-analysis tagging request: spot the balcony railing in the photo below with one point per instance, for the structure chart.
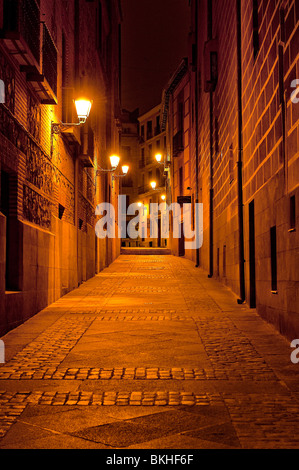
(21, 31)
(49, 60)
(146, 188)
(31, 45)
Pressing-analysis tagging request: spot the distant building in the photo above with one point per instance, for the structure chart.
(130, 155)
(152, 142)
(176, 122)
(51, 53)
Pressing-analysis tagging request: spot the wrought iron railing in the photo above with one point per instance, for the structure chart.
(23, 17)
(49, 60)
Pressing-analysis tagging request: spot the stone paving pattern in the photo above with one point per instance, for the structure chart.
(148, 354)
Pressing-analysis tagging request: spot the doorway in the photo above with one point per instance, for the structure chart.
(182, 241)
(7, 207)
(252, 279)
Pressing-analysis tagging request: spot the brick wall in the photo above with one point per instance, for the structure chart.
(52, 193)
(267, 153)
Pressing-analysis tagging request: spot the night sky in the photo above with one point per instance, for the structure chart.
(154, 41)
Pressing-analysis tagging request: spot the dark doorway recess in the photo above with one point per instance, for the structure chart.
(182, 241)
(252, 279)
(273, 259)
(8, 208)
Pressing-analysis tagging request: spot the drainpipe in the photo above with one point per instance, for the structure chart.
(211, 189)
(76, 163)
(211, 235)
(196, 122)
(240, 158)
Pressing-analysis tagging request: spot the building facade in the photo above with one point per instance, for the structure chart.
(152, 143)
(130, 150)
(51, 53)
(243, 138)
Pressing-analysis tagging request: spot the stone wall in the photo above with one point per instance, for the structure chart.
(49, 182)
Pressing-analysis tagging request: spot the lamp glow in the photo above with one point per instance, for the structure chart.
(163, 197)
(158, 157)
(125, 169)
(153, 184)
(114, 160)
(139, 204)
(83, 107)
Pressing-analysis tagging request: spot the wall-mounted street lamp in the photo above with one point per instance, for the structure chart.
(163, 197)
(83, 107)
(125, 169)
(153, 185)
(158, 157)
(162, 160)
(114, 161)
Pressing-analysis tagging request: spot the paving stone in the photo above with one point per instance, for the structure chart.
(247, 390)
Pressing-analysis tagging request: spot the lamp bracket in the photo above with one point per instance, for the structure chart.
(101, 170)
(58, 127)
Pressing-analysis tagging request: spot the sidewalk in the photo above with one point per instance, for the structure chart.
(148, 354)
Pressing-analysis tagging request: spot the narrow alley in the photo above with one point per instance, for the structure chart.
(149, 353)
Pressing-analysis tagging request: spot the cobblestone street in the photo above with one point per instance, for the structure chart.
(148, 354)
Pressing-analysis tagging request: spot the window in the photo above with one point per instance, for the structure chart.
(181, 116)
(149, 130)
(255, 24)
(181, 182)
(273, 259)
(64, 61)
(292, 213)
(210, 19)
(142, 132)
(150, 152)
(157, 129)
(50, 60)
(61, 210)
